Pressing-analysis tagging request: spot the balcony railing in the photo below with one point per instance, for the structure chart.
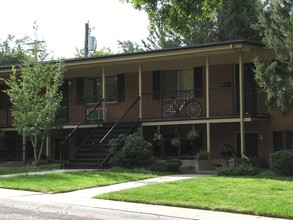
(223, 102)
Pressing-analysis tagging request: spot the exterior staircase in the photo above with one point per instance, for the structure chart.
(92, 154)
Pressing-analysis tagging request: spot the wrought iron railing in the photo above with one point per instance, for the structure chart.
(134, 124)
(81, 123)
(223, 102)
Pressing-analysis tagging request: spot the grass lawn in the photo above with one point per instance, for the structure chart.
(259, 196)
(64, 182)
(26, 169)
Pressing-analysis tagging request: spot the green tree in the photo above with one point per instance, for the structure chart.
(276, 77)
(129, 46)
(100, 52)
(12, 50)
(161, 37)
(34, 91)
(191, 22)
(236, 18)
(178, 15)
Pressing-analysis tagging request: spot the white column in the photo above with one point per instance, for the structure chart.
(241, 104)
(208, 103)
(104, 92)
(208, 137)
(207, 87)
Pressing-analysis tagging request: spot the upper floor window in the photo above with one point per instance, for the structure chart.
(90, 90)
(173, 82)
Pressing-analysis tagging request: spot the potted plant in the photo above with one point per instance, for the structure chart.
(158, 138)
(203, 155)
(176, 142)
(192, 135)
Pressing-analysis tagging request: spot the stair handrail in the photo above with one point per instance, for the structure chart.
(129, 130)
(75, 129)
(112, 128)
(82, 122)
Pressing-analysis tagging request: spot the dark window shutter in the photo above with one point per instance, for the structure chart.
(121, 87)
(197, 71)
(80, 90)
(156, 85)
(277, 141)
(4, 98)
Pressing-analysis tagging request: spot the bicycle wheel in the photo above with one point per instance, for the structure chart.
(169, 111)
(193, 109)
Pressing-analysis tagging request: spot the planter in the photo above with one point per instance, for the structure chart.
(203, 165)
(196, 166)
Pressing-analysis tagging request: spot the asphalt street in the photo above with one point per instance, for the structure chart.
(11, 209)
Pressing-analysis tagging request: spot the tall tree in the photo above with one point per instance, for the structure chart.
(276, 77)
(161, 37)
(129, 46)
(34, 92)
(100, 52)
(236, 18)
(178, 15)
(198, 22)
(12, 50)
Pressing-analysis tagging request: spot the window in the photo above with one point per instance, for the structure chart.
(93, 89)
(177, 80)
(167, 83)
(89, 90)
(282, 140)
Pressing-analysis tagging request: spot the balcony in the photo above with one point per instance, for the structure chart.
(223, 103)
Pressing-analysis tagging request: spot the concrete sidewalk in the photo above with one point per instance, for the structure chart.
(83, 198)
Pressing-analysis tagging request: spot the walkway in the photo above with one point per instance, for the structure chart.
(83, 198)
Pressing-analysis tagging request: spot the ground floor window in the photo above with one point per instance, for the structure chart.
(282, 140)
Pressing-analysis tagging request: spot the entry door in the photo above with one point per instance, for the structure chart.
(251, 145)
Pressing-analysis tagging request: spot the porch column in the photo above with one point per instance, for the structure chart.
(208, 103)
(208, 137)
(140, 89)
(207, 87)
(241, 104)
(104, 92)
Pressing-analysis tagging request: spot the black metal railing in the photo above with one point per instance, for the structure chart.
(223, 102)
(134, 124)
(81, 123)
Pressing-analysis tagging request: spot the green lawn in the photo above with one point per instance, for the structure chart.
(26, 169)
(64, 182)
(260, 196)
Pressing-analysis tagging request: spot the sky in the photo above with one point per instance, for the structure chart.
(62, 23)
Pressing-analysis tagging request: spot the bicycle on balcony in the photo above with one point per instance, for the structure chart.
(191, 107)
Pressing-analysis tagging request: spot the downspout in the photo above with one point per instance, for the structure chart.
(241, 105)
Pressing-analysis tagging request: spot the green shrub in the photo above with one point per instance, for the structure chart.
(202, 155)
(241, 170)
(166, 165)
(130, 152)
(282, 162)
